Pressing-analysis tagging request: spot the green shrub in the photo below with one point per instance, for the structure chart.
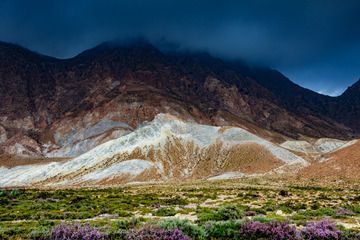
(116, 235)
(355, 208)
(126, 224)
(176, 201)
(162, 212)
(322, 212)
(15, 193)
(229, 212)
(223, 229)
(258, 211)
(4, 201)
(315, 206)
(40, 234)
(348, 234)
(223, 213)
(261, 219)
(192, 230)
(122, 213)
(122, 224)
(205, 215)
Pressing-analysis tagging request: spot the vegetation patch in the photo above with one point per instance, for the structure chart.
(241, 209)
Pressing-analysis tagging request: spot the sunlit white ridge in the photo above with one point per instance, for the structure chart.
(152, 134)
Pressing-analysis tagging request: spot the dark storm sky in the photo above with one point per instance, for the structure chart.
(314, 42)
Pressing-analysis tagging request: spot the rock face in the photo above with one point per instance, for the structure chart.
(63, 108)
(164, 149)
(320, 146)
(349, 113)
(340, 165)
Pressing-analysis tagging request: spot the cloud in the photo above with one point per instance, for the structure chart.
(332, 92)
(288, 35)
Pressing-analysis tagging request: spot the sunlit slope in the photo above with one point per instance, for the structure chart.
(343, 164)
(161, 150)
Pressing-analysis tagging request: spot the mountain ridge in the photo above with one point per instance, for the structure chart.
(105, 92)
(161, 150)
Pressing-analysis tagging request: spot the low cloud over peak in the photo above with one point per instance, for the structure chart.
(316, 43)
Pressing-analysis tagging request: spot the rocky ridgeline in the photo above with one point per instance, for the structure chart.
(63, 108)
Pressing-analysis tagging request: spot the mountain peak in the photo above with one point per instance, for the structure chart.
(114, 87)
(111, 46)
(11, 50)
(354, 87)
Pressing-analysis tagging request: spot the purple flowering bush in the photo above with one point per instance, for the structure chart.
(272, 231)
(250, 230)
(76, 232)
(321, 230)
(156, 233)
(341, 212)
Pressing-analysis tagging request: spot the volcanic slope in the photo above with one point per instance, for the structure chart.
(165, 149)
(342, 164)
(65, 107)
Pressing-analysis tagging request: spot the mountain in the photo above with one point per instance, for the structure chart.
(65, 107)
(339, 165)
(349, 112)
(162, 150)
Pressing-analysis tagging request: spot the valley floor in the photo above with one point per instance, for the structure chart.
(32, 213)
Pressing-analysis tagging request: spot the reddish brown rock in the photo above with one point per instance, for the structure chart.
(109, 90)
